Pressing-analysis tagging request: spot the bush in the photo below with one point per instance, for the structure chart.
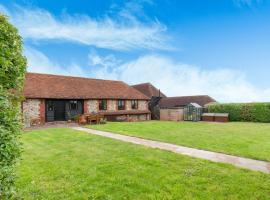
(246, 112)
(12, 71)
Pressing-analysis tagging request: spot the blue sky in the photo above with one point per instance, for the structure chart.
(184, 47)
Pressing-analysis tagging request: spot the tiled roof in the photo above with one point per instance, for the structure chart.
(148, 89)
(170, 102)
(67, 87)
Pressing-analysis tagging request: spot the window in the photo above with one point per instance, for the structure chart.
(50, 106)
(121, 104)
(103, 104)
(134, 104)
(73, 105)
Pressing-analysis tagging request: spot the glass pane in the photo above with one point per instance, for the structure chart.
(50, 106)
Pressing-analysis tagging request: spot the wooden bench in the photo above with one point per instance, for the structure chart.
(90, 118)
(94, 118)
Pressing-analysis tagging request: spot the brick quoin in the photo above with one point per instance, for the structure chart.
(42, 111)
(85, 107)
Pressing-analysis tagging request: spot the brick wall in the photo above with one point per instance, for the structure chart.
(33, 112)
(142, 105)
(85, 106)
(139, 117)
(130, 118)
(42, 111)
(111, 105)
(92, 105)
(128, 105)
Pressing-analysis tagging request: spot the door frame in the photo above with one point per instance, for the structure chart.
(64, 100)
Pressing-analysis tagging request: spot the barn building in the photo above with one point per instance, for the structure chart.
(51, 98)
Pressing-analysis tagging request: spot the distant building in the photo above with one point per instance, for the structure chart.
(155, 96)
(159, 101)
(149, 90)
(181, 101)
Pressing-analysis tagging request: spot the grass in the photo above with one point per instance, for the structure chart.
(250, 140)
(68, 164)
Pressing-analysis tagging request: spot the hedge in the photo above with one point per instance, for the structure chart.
(12, 72)
(246, 112)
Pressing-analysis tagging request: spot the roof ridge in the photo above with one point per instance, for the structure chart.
(201, 95)
(184, 100)
(149, 89)
(135, 90)
(79, 77)
(146, 83)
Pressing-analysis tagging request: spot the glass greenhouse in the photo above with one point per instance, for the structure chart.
(193, 112)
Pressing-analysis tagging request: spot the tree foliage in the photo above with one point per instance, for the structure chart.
(247, 112)
(12, 72)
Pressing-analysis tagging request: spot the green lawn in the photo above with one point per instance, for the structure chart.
(68, 164)
(242, 139)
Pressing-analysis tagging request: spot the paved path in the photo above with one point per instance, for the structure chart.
(208, 155)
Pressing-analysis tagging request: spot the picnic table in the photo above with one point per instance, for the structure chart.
(90, 118)
(96, 118)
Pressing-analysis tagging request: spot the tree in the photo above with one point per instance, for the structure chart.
(12, 72)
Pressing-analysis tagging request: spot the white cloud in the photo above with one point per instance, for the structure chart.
(173, 78)
(107, 61)
(40, 63)
(123, 32)
(177, 79)
(105, 67)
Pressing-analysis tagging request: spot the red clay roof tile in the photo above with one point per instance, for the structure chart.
(68, 87)
(148, 89)
(170, 102)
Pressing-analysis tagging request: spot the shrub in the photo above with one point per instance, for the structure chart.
(248, 112)
(12, 70)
